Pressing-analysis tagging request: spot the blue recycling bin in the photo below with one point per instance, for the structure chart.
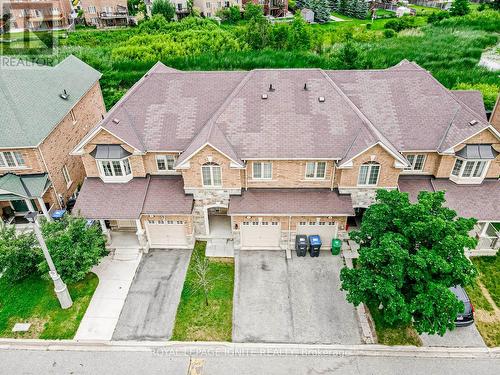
(314, 245)
(58, 214)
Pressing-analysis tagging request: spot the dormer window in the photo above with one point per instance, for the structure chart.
(471, 163)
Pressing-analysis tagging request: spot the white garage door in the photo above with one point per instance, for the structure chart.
(166, 234)
(260, 235)
(327, 231)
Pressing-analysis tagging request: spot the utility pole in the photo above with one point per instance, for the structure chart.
(59, 286)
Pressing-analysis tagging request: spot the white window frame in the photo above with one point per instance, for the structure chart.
(262, 164)
(15, 156)
(67, 176)
(413, 161)
(460, 178)
(315, 173)
(73, 117)
(211, 167)
(125, 177)
(169, 161)
(370, 166)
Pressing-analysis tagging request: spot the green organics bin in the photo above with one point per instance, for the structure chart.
(336, 245)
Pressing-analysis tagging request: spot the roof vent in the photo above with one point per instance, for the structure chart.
(116, 121)
(305, 86)
(321, 99)
(473, 122)
(64, 95)
(271, 88)
(264, 96)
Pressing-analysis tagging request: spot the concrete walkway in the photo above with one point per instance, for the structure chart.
(115, 278)
(151, 305)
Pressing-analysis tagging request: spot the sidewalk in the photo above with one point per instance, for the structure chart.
(115, 278)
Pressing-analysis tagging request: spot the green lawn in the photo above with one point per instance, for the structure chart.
(489, 274)
(397, 335)
(33, 301)
(195, 321)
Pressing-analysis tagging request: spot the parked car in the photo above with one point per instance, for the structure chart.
(466, 317)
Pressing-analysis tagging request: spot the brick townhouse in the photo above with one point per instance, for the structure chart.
(248, 160)
(38, 14)
(105, 13)
(46, 111)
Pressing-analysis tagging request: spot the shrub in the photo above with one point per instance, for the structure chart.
(164, 8)
(460, 8)
(253, 11)
(19, 253)
(74, 246)
(438, 16)
(299, 37)
(257, 33)
(402, 23)
(389, 33)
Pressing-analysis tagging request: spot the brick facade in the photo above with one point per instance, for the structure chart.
(32, 160)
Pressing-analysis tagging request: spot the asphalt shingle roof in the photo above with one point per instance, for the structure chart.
(30, 101)
(27, 186)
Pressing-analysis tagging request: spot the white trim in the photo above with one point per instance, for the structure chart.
(215, 148)
(308, 159)
(78, 150)
(115, 179)
(262, 178)
(165, 159)
(469, 180)
(14, 159)
(67, 176)
(489, 127)
(412, 165)
(211, 176)
(289, 214)
(400, 158)
(370, 165)
(315, 178)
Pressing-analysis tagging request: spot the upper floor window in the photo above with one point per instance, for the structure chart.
(262, 170)
(165, 162)
(469, 168)
(211, 175)
(11, 159)
(416, 162)
(316, 169)
(114, 168)
(368, 174)
(92, 9)
(67, 176)
(73, 117)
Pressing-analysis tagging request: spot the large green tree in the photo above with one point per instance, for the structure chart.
(460, 8)
(74, 245)
(410, 254)
(164, 8)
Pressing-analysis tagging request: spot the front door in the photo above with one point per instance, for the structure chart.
(19, 206)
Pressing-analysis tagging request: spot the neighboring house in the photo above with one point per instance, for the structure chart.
(39, 14)
(105, 13)
(46, 111)
(275, 8)
(250, 159)
(209, 8)
(307, 15)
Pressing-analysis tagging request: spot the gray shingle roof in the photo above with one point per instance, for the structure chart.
(479, 201)
(403, 107)
(291, 201)
(30, 101)
(161, 195)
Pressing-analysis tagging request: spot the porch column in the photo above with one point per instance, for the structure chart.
(105, 231)
(44, 209)
(141, 236)
(484, 228)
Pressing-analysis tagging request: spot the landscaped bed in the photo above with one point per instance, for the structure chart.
(33, 301)
(197, 321)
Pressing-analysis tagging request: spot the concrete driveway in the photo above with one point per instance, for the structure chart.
(151, 304)
(291, 301)
(460, 337)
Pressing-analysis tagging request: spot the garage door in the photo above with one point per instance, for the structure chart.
(260, 235)
(166, 234)
(327, 231)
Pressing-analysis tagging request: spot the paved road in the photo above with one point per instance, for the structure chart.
(145, 361)
(151, 304)
(291, 301)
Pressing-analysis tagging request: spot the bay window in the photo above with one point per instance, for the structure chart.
(368, 174)
(113, 169)
(469, 168)
(211, 175)
(316, 169)
(262, 170)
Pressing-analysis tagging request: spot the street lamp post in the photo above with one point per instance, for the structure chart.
(59, 286)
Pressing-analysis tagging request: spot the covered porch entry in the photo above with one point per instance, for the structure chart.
(219, 234)
(22, 194)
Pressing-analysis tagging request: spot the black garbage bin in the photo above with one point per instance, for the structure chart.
(301, 245)
(314, 245)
